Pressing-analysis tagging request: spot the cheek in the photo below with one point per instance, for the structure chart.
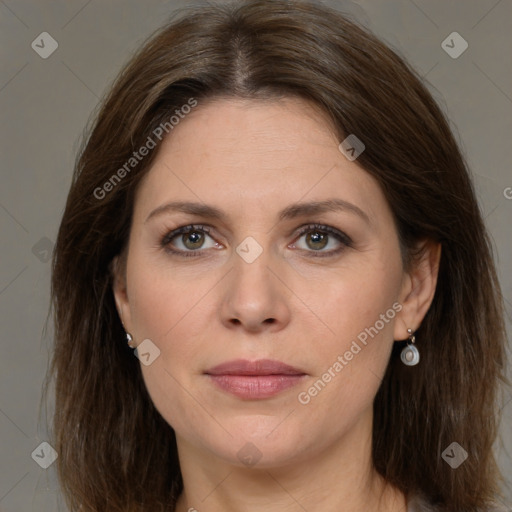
(168, 310)
(351, 357)
(350, 361)
(358, 305)
(171, 309)
(165, 301)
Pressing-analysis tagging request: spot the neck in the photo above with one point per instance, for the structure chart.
(340, 478)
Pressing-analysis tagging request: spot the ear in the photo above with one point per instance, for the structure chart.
(418, 288)
(118, 271)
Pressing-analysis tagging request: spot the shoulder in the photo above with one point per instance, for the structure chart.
(419, 503)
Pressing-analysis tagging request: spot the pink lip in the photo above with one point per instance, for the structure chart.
(254, 379)
(259, 367)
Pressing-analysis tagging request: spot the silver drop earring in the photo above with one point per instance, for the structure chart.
(410, 355)
(129, 340)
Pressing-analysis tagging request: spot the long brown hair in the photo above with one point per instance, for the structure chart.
(116, 453)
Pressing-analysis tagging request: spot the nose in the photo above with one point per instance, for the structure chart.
(256, 297)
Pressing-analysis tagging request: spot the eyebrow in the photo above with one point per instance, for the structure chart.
(290, 212)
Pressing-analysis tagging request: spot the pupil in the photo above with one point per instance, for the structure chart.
(195, 237)
(318, 238)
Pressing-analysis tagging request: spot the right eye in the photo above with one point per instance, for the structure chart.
(192, 240)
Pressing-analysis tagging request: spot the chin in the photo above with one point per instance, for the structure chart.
(259, 445)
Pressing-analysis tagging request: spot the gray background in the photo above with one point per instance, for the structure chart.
(45, 104)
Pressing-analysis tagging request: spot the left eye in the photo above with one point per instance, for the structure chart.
(317, 238)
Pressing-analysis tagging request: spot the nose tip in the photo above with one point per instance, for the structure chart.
(254, 295)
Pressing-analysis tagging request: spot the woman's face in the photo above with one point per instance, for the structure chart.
(262, 285)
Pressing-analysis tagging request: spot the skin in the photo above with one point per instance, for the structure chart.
(252, 158)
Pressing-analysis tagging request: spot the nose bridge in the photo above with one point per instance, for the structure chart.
(250, 250)
(252, 261)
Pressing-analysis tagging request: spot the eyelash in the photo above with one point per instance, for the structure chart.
(345, 240)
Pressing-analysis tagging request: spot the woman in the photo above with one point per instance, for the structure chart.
(271, 210)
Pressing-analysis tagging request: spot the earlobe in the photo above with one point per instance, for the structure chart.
(418, 288)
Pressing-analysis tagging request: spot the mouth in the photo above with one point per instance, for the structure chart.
(254, 380)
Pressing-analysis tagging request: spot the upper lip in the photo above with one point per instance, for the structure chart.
(259, 367)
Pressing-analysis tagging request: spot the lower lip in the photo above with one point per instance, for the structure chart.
(253, 387)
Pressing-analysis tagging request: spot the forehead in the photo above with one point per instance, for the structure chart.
(255, 152)
(267, 129)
